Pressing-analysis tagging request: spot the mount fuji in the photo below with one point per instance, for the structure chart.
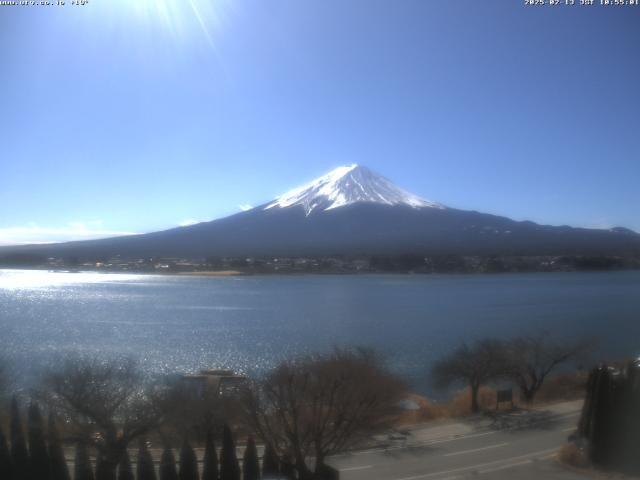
(352, 211)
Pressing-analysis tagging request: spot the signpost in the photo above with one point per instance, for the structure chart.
(504, 396)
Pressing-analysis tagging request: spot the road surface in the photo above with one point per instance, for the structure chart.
(513, 446)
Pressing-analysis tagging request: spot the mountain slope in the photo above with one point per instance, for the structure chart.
(353, 211)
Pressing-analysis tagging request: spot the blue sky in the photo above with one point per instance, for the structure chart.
(137, 115)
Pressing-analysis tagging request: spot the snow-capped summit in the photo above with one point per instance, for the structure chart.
(347, 185)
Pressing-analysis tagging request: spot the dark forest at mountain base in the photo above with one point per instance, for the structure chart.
(407, 263)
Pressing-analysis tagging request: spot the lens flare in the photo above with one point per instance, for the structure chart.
(179, 18)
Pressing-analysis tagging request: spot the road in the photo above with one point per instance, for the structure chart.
(521, 446)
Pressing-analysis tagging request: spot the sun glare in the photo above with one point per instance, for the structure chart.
(179, 18)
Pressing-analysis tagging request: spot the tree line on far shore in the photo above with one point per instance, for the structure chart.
(302, 412)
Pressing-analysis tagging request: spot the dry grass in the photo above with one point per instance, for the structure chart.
(571, 455)
(566, 386)
(563, 387)
(458, 406)
(426, 412)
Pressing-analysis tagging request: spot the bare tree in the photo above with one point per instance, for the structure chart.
(5, 380)
(192, 412)
(104, 403)
(530, 359)
(3, 377)
(474, 365)
(322, 405)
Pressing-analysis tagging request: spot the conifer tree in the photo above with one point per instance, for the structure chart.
(168, 465)
(145, 470)
(250, 465)
(287, 468)
(59, 468)
(40, 464)
(102, 470)
(188, 462)
(125, 470)
(270, 462)
(210, 467)
(229, 468)
(83, 470)
(19, 453)
(6, 470)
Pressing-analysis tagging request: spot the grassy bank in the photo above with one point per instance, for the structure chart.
(562, 387)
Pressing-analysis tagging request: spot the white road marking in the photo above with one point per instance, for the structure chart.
(516, 464)
(420, 444)
(488, 447)
(549, 457)
(351, 469)
(446, 440)
(528, 456)
(505, 467)
(462, 437)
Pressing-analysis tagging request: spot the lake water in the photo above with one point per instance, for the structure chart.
(173, 323)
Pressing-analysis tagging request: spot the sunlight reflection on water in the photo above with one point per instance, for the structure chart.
(173, 323)
(43, 279)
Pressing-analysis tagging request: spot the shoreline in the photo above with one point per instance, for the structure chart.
(208, 273)
(238, 273)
